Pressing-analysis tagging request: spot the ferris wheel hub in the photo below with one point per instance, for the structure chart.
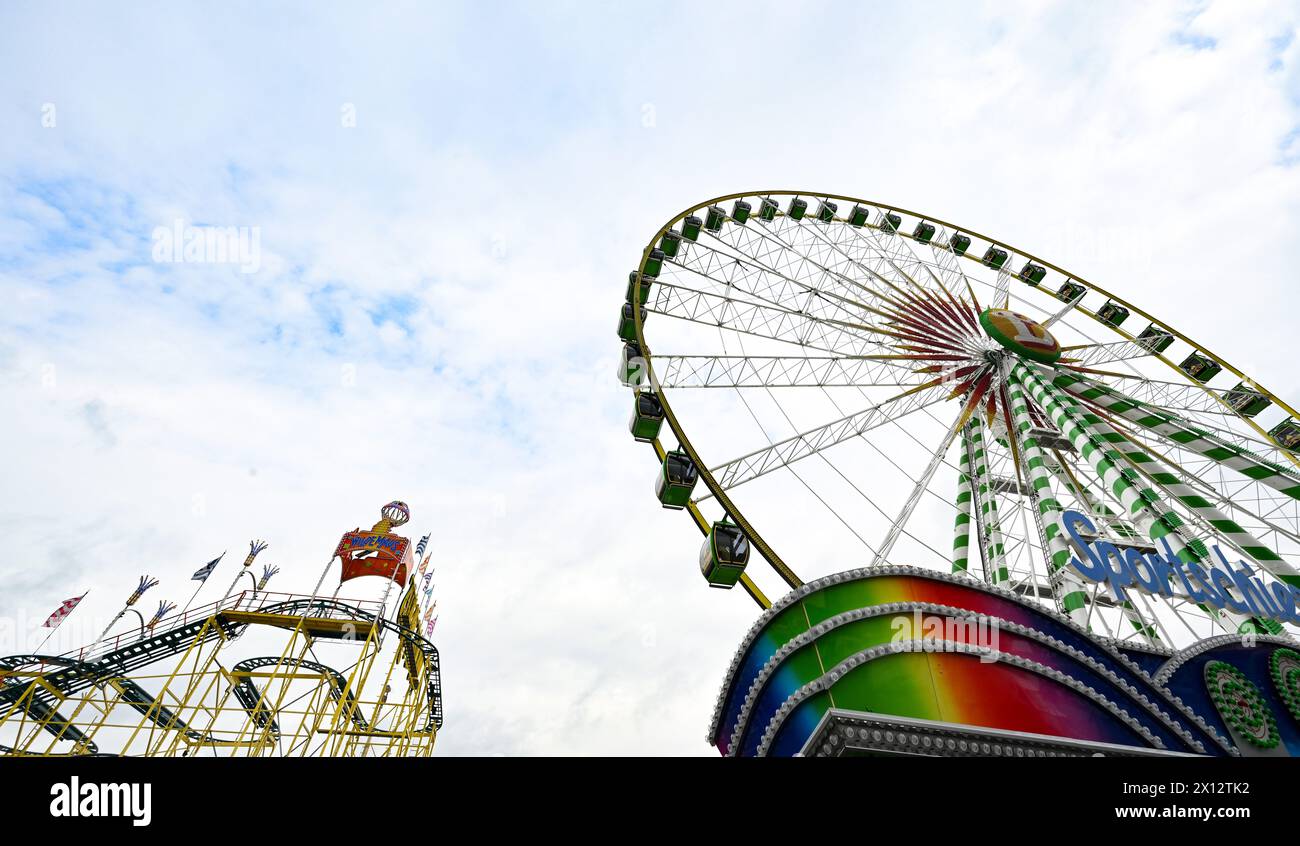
(1021, 335)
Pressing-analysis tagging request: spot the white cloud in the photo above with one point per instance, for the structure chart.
(463, 249)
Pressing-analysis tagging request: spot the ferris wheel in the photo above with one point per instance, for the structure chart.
(848, 384)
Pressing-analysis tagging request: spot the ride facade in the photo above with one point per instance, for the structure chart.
(1047, 522)
(253, 674)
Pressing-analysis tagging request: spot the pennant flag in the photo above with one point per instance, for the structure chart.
(428, 630)
(164, 608)
(201, 574)
(267, 572)
(62, 611)
(424, 565)
(146, 582)
(254, 547)
(419, 547)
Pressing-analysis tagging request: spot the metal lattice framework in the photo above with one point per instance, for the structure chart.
(825, 365)
(256, 674)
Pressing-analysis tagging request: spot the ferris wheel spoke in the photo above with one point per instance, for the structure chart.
(1214, 521)
(812, 273)
(836, 257)
(729, 275)
(1224, 495)
(740, 371)
(1223, 450)
(835, 468)
(1094, 355)
(845, 264)
(933, 316)
(883, 255)
(922, 484)
(783, 453)
(1159, 521)
(759, 320)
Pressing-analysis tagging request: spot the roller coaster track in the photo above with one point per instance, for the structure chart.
(74, 675)
(251, 697)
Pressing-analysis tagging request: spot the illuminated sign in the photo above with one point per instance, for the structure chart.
(1163, 573)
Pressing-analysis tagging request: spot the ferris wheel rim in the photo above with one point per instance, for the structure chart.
(719, 493)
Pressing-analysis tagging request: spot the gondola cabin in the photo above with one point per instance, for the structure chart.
(994, 258)
(654, 262)
(890, 223)
(1155, 339)
(1112, 313)
(740, 211)
(647, 417)
(1069, 292)
(631, 366)
(691, 228)
(858, 217)
(923, 232)
(677, 478)
(714, 217)
(798, 208)
(724, 555)
(1201, 368)
(1286, 433)
(671, 243)
(959, 243)
(638, 293)
(826, 211)
(1032, 273)
(1246, 401)
(627, 322)
(767, 210)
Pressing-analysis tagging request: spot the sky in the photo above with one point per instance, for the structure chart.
(446, 201)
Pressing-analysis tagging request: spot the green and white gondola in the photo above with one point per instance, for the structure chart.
(723, 555)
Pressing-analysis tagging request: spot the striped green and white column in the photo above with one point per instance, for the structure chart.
(1070, 591)
(961, 526)
(995, 554)
(1187, 435)
(1098, 508)
(1197, 504)
(1141, 503)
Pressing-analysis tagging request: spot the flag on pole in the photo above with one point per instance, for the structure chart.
(424, 565)
(164, 608)
(428, 630)
(267, 572)
(64, 609)
(254, 547)
(419, 547)
(146, 582)
(201, 574)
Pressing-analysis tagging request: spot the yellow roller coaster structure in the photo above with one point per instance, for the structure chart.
(256, 674)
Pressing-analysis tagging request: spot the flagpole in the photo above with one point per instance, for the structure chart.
(254, 548)
(146, 582)
(55, 627)
(202, 582)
